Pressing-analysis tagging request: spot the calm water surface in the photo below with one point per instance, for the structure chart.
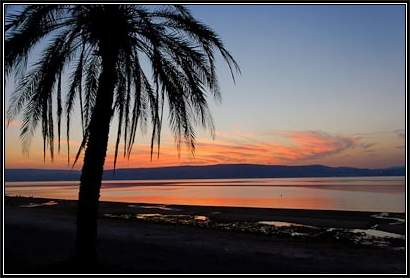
(358, 193)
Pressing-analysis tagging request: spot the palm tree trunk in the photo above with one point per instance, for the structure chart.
(94, 157)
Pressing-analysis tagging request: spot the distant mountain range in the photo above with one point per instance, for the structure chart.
(221, 171)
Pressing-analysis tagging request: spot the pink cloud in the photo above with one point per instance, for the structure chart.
(291, 147)
(314, 144)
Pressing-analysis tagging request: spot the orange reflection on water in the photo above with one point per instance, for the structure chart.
(359, 194)
(274, 202)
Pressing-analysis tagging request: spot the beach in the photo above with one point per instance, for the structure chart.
(147, 238)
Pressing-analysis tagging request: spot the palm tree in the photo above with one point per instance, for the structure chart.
(121, 60)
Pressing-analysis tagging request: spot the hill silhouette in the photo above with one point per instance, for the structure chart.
(219, 171)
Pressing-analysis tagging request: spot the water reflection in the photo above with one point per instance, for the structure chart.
(163, 218)
(147, 215)
(282, 224)
(385, 215)
(161, 207)
(359, 194)
(377, 233)
(200, 218)
(369, 237)
(33, 205)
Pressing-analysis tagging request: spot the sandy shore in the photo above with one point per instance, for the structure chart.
(146, 238)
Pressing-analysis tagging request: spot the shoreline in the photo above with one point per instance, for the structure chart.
(206, 180)
(20, 198)
(184, 239)
(321, 217)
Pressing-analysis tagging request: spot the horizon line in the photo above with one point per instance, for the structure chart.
(210, 165)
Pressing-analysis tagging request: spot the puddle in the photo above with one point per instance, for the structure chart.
(147, 215)
(385, 215)
(33, 205)
(377, 233)
(367, 237)
(200, 218)
(165, 218)
(280, 224)
(121, 216)
(161, 207)
(157, 207)
(298, 234)
(372, 233)
(172, 217)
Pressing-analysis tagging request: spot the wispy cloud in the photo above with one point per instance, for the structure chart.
(315, 144)
(400, 133)
(286, 147)
(275, 147)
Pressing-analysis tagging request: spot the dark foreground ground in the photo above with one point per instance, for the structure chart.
(40, 240)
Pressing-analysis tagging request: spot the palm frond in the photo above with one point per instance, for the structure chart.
(75, 87)
(91, 86)
(180, 50)
(200, 33)
(119, 104)
(59, 111)
(39, 92)
(24, 30)
(138, 102)
(79, 75)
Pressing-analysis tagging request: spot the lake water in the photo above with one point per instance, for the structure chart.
(356, 193)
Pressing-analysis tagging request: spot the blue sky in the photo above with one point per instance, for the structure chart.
(303, 62)
(331, 73)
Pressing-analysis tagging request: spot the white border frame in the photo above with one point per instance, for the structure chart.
(205, 3)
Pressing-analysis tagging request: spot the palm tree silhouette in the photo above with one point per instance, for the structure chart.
(107, 49)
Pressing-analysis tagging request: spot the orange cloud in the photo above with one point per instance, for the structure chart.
(315, 144)
(279, 147)
(301, 146)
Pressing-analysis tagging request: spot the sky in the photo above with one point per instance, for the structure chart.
(320, 84)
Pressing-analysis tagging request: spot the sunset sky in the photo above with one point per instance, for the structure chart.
(319, 85)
